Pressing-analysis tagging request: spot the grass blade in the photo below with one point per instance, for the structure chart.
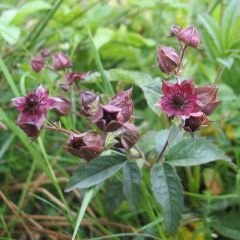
(86, 200)
(106, 83)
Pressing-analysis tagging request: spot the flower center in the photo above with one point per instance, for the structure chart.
(178, 102)
(33, 103)
(77, 144)
(108, 117)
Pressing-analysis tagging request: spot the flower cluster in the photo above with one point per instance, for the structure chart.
(111, 118)
(57, 62)
(184, 99)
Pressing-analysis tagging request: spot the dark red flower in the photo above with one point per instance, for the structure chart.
(168, 59)
(33, 108)
(37, 63)
(207, 95)
(89, 103)
(129, 136)
(63, 107)
(86, 145)
(112, 116)
(189, 36)
(179, 100)
(196, 122)
(60, 61)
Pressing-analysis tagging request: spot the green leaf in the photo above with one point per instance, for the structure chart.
(114, 195)
(152, 90)
(10, 34)
(131, 183)
(229, 18)
(31, 7)
(212, 28)
(161, 138)
(96, 171)
(227, 225)
(102, 36)
(189, 153)
(167, 190)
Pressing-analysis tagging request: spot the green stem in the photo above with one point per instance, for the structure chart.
(206, 197)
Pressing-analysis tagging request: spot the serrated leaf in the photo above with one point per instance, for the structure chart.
(167, 190)
(96, 171)
(131, 183)
(189, 153)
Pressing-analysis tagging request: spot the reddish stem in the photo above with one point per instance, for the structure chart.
(62, 130)
(183, 51)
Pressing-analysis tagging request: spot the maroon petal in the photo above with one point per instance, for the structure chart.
(30, 129)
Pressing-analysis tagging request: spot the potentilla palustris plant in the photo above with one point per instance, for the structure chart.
(109, 141)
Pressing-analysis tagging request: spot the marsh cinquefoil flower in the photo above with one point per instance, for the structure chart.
(179, 99)
(33, 109)
(112, 116)
(86, 145)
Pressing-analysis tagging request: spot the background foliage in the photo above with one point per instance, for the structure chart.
(126, 35)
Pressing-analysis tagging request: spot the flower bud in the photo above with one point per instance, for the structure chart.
(189, 36)
(175, 30)
(129, 136)
(168, 59)
(37, 63)
(207, 99)
(89, 103)
(63, 107)
(60, 61)
(86, 145)
(45, 53)
(194, 123)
